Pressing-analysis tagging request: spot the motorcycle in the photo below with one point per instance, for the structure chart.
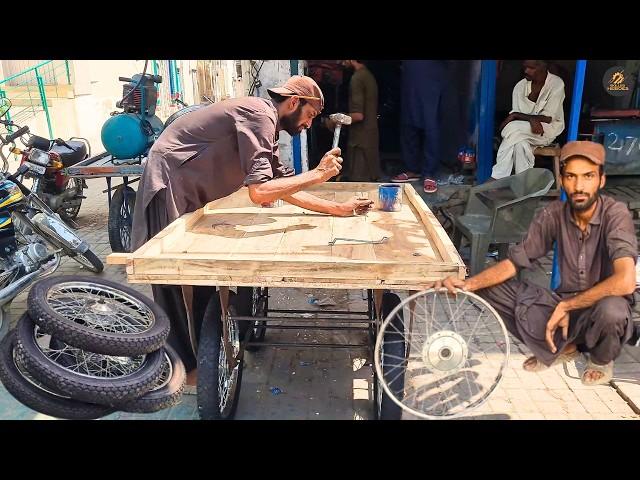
(63, 194)
(32, 237)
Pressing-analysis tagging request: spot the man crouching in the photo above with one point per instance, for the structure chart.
(597, 251)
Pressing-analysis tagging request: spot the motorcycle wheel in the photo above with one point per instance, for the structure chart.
(121, 219)
(76, 185)
(89, 260)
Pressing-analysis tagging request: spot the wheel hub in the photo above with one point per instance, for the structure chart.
(445, 352)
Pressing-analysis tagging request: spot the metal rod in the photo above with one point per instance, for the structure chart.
(572, 134)
(313, 327)
(313, 345)
(345, 312)
(290, 319)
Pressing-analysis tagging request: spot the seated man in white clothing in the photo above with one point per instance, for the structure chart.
(536, 119)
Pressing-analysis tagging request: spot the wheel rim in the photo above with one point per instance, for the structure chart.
(84, 261)
(457, 350)
(75, 185)
(99, 307)
(166, 373)
(87, 364)
(227, 381)
(124, 227)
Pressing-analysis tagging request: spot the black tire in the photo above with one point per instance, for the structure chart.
(4, 321)
(88, 260)
(121, 219)
(393, 343)
(208, 371)
(182, 112)
(110, 392)
(27, 392)
(165, 396)
(86, 337)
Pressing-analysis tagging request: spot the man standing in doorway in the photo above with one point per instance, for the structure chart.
(423, 86)
(363, 158)
(536, 119)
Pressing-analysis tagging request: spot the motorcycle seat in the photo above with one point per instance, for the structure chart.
(71, 157)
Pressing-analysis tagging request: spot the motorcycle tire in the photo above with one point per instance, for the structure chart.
(210, 355)
(167, 392)
(103, 390)
(121, 219)
(96, 334)
(26, 390)
(88, 260)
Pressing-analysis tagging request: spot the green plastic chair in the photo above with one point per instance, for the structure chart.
(500, 212)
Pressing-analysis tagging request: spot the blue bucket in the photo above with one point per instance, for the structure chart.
(390, 197)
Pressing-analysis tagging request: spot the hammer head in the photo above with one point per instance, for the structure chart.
(340, 118)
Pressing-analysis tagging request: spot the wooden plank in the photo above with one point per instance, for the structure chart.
(284, 282)
(118, 258)
(308, 236)
(231, 241)
(438, 235)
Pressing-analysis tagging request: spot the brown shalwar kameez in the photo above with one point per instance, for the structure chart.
(200, 157)
(362, 158)
(585, 259)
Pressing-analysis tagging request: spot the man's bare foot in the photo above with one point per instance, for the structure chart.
(531, 363)
(591, 375)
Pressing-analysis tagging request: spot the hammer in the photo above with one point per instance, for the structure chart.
(340, 119)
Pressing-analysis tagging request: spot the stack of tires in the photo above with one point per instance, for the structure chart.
(87, 347)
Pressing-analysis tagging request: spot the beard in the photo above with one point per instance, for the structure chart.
(583, 205)
(291, 123)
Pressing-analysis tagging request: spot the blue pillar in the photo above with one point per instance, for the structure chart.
(572, 134)
(486, 122)
(296, 144)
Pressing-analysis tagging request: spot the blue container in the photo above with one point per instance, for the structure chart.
(390, 197)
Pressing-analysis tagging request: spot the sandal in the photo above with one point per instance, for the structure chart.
(606, 369)
(560, 359)
(430, 185)
(405, 177)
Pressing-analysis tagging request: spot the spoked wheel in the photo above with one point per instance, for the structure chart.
(89, 260)
(100, 316)
(82, 375)
(259, 301)
(34, 394)
(218, 384)
(456, 351)
(75, 186)
(121, 218)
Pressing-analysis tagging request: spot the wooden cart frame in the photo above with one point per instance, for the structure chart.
(232, 242)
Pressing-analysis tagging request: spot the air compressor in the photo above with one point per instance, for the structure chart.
(131, 132)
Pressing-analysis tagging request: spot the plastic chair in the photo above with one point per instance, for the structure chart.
(500, 212)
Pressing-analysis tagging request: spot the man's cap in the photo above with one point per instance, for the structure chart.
(590, 150)
(303, 87)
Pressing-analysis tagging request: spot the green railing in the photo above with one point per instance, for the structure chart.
(27, 90)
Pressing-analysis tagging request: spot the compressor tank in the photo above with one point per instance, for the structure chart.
(123, 135)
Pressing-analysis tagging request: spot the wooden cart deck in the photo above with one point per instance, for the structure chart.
(233, 242)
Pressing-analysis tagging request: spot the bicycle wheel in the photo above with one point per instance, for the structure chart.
(456, 351)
